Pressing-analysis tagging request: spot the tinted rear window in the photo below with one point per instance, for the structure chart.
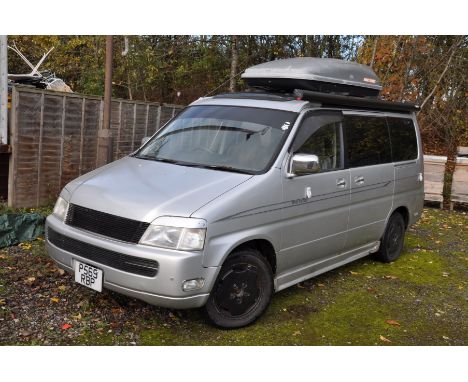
(403, 137)
(367, 140)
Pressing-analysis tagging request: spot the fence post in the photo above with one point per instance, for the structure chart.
(105, 141)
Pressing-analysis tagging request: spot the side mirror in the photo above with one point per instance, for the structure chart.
(303, 164)
(144, 140)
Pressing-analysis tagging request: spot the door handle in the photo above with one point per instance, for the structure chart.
(341, 183)
(359, 179)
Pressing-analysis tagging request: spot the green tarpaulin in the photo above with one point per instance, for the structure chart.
(18, 228)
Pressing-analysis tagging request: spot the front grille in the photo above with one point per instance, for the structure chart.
(127, 263)
(105, 224)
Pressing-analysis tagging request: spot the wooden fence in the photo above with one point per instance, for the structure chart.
(54, 138)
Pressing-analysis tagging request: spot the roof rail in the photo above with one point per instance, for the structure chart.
(327, 99)
(259, 94)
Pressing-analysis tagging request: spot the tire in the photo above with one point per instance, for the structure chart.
(392, 241)
(242, 291)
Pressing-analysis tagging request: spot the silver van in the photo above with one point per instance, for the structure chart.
(245, 194)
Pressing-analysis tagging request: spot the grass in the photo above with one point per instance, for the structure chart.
(418, 300)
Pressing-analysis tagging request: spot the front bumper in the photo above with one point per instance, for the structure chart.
(164, 289)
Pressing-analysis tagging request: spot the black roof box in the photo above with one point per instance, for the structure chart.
(325, 75)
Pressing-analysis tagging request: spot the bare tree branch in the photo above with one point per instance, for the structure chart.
(453, 49)
(234, 60)
(376, 39)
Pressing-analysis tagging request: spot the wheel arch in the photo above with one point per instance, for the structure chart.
(403, 211)
(264, 246)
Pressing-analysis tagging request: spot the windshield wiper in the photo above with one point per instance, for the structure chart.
(152, 157)
(210, 166)
(217, 167)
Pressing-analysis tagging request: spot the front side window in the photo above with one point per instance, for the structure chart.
(320, 135)
(403, 137)
(228, 138)
(368, 142)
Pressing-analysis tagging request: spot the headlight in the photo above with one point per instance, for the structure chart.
(61, 208)
(185, 234)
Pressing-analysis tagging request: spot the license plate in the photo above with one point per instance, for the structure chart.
(88, 275)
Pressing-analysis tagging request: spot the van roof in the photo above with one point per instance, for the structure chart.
(253, 100)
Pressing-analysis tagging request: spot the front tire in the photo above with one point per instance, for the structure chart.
(393, 239)
(242, 291)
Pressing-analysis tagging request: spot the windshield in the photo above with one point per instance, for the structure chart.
(229, 138)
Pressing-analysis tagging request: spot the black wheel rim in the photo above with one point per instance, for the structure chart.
(238, 290)
(394, 238)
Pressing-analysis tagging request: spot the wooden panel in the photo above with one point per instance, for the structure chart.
(115, 126)
(140, 125)
(71, 140)
(153, 122)
(166, 114)
(462, 150)
(434, 170)
(460, 181)
(125, 138)
(90, 132)
(26, 149)
(49, 171)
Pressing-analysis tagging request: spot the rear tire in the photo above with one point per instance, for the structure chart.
(242, 291)
(393, 239)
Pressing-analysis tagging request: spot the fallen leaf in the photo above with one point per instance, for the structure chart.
(445, 337)
(393, 322)
(29, 280)
(300, 286)
(54, 299)
(77, 317)
(25, 333)
(354, 273)
(445, 274)
(320, 285)
(62, 288)
(390, 277)
(382, 338)
(60, 271)
(296, 333)
(2, 301)
(66, 326)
